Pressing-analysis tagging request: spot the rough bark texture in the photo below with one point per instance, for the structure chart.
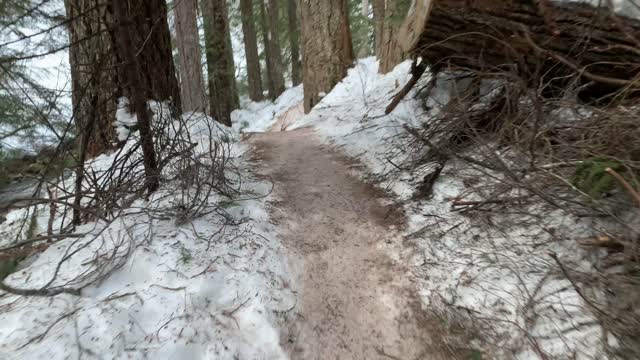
(95, 85)
(294, 42)
(268, 58)
(272, 41)
(378, 24)
(151, 43)
(387, 16)
(191, 79)
(327, 52)
(541, 41)
(231, 62)
(222, 90)
(133, 19)
(251, 50)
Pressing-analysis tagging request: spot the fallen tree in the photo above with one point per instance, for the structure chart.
(557, 44)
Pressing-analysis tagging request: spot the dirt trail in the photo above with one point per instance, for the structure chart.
(355, 302)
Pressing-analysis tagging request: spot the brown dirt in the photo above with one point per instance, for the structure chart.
(355, 301)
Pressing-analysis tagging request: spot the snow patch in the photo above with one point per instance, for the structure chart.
(152, 288)
(261, 116)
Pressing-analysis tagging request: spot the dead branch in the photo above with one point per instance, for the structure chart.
(416, 73)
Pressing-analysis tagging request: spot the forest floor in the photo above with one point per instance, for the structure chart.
(355, 301)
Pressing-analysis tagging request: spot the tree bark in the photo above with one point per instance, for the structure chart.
(541, 41)
(231, 62)
(188, 39)
(378, 25)
(222, 89)
(273, 19)
(151, 44)
(268, 58)
(294, 42)
(387, 16)
(251, 50)
(273, 57)
(327, 51)
(95, 84)
(135, 17)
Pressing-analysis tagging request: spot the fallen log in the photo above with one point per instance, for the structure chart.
(543, 42)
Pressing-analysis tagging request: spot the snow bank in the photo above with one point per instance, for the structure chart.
(498, 286)
(352, 117)
(260, 116)
(154, 289)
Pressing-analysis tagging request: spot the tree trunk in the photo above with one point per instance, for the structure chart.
(378, 25)
(251, 50)
(327, 52)
(191, 79)
(144, 46)
(151, 43)
(543, 42)
(268, 58)
(231, 62)
(95, 85)
(273, 20)
(294, 42)
(222, 90)
(273, 42)
(387, 16)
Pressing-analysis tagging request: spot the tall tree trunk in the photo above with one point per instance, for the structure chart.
(388, 16)
(136, 36)
(95, 86)
(273, 57)
(144, 45)
(222, 89)
(378, 25)
(294, 42)
(268, 58)
(191, 79)
(327, 51)
(231, 62)
(273, 20)
(151, 43)
(251, 50)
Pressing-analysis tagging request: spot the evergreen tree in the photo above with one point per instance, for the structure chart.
(251, 50)
(223, 97)
(188, 41)
(327, 49)
(269, 22)
(294, 42)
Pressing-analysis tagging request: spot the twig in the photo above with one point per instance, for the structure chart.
(573, 283)
(207, 268)
(625, 184)
(39, 338)
(416, 71)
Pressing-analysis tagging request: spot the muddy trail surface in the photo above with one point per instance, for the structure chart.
(355, 302)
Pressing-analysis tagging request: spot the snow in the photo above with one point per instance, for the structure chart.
(495, 283)
(124, 119)
(352, 117)
(261, 116)
(154, 287)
